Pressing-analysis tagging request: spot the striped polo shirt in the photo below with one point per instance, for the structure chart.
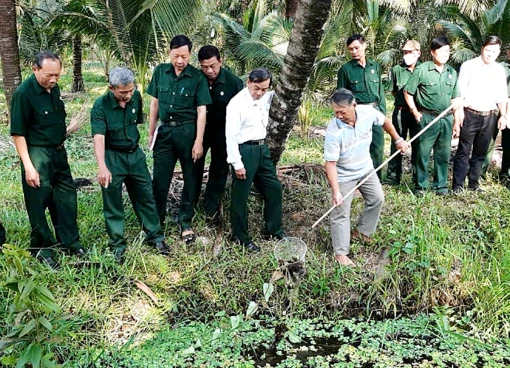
(349, 145)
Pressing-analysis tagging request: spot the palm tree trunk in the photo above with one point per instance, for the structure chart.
(9, 51)
(303, 47)
(78, 85)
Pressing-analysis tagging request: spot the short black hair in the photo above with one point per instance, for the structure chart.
(492, 40)
(43, 55)
(207, 52)
(180, 41)
(260, 75)
(439, 42)
(355, 37)
(343, 97)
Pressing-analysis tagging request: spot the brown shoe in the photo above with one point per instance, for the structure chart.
(356, 235)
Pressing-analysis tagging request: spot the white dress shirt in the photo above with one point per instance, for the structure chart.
(246, 121)
(482, 85)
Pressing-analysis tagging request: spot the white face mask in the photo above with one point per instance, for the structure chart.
(410, 59)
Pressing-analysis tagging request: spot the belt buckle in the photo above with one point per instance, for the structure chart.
(172, 123)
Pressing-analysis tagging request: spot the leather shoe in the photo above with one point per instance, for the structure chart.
(275, 236)
(162, 247)
(252, 247)
(119, 254)
(80, 251)
(49, 260)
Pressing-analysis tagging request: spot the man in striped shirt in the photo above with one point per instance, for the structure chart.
(348, 162)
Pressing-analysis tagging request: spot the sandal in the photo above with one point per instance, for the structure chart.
(188, 236)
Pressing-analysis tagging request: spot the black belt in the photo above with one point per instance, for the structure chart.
(433, 113)
(405, 108)
(258, 142)
(480, 113)
(177, 123)
(123, 149)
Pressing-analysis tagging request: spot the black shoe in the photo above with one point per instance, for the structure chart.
(162, 247)
(442, 192)
(477, 190)
(457, 190)
(274, 236)
(49, 260)
(79, 251)
(119, 254)
(252, 247)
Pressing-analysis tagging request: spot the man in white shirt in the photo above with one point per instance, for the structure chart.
(348, 162)
(482, 85)
(246, 122)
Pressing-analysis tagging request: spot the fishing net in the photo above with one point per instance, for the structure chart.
(290, 254)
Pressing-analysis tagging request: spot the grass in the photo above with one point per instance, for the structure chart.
(448, 273)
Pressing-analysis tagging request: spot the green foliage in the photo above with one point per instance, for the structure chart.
(31, 319)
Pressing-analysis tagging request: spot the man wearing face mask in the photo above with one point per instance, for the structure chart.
(402, 119)
(482, 84)
(430, 90)
(223, 86)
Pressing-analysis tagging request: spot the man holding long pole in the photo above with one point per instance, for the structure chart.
(348, 162)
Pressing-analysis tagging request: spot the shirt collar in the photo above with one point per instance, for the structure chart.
(221, 77)
(369, 62)
(249, 99)
(432, 66)
(37, 87)
(185, 72)
(114, 103)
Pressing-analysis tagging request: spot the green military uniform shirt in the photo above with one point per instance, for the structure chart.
(38, 115)
(364, 82)
(226, 86)
(400, 75)
(433, 90)
(179, 96)
(117, 124)
(506, 65)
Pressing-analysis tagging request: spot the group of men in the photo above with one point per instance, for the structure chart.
(209, 109)
(197, 111)
(432, 102)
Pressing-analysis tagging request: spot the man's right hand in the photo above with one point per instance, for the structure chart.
(32, 177)
(337, 199)
(104, 177)
(241, 174)
(417, 116)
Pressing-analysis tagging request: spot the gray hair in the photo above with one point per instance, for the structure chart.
(121, 77)
(343, 97)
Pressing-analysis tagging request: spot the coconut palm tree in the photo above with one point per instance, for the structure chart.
(9, 52)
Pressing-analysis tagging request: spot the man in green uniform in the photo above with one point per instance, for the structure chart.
(114, 119)
(362, 76)
(179, 97)
(430, 90)
(39, 130)
(223, 85)
(402, 119)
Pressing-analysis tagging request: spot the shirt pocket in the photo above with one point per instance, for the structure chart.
(357, 86)
(430, 88)
(115, 126)
(46, 115)
(448, 88)
(186, 100)
(164, 94)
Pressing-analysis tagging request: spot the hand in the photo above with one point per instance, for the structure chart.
(417, 116)
(104, 177)
(402, 146)
(32, 177)
(197, 151)
(456, 130)
(241, 173)
(337, 199)
(502, 124)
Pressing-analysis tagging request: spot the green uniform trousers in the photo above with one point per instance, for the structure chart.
(260, 171)
(214, 139)
(174, 143)
(406, 126)
(377, 148)
(130, 169)
(57, 193)
(437, 137)
(2, 234)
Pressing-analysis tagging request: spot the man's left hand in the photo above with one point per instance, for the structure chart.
(402, 146)
(502, 123)
(197, 151)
